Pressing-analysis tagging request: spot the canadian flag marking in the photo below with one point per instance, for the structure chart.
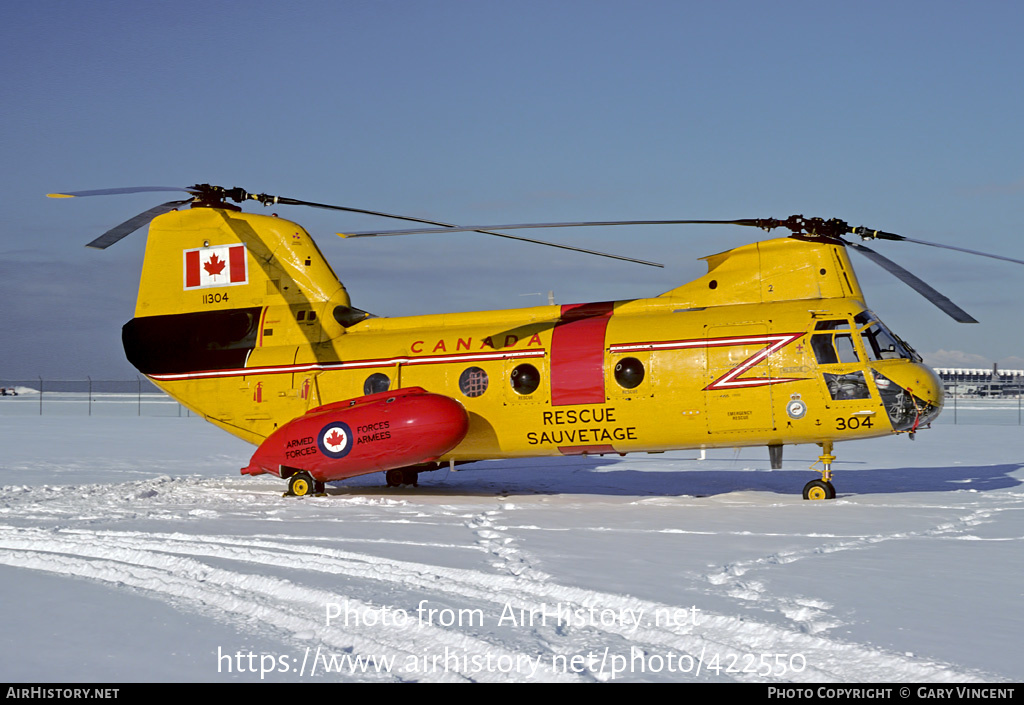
(220, 265)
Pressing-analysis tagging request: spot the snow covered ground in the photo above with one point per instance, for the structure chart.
(132, 550)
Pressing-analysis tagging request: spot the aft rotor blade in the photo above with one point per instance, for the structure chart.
(115, 191)
(957, 313)
(129, 226)
(444, 227)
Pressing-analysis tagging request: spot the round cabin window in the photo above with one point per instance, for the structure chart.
(629, 372)
(376, 383)
(525, 379)
(473, 382)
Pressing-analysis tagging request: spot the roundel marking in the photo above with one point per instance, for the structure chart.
(335, 439)
(796, 409)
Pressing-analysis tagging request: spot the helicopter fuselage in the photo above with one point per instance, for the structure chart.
(773, 346)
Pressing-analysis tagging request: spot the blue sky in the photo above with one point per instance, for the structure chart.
(898, 116)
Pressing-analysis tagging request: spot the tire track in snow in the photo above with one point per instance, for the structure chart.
(807, 613)
(109, 555)
(146, 565)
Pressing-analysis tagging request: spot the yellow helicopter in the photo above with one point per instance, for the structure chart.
(241, 319)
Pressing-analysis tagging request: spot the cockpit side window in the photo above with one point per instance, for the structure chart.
(833, 347)
(824, 351)
(848, 386)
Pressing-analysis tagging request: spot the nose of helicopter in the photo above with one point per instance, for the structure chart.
(912, 393)
(921, 381)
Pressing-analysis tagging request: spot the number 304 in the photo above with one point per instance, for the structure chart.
(852, 423)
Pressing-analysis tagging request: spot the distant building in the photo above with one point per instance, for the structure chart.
(981, 382)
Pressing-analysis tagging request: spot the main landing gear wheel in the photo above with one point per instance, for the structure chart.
(301, 484)
(819, 489)
(401, 476)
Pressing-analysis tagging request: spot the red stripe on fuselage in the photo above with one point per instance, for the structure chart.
(577, 354)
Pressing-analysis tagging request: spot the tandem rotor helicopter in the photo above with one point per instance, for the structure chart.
(241, 319)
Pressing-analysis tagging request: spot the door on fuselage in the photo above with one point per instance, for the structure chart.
(849, 395)
(738, 389)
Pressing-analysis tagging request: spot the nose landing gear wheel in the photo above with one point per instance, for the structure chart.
(819, 489)
(822, 489)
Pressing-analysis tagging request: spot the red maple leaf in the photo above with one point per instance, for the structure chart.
(214, 266)
(335, 439)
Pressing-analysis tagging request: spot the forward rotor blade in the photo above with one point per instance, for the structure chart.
(524, 226)
(489, 230)
(115, 191)
(868, 234)
(129, 226)
(957, 313)
(963, 249)
(486, 230)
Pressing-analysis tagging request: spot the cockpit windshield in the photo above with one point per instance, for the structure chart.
(879, 342)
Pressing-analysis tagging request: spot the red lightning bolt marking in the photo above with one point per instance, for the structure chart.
(774, 343)
(731, 379)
